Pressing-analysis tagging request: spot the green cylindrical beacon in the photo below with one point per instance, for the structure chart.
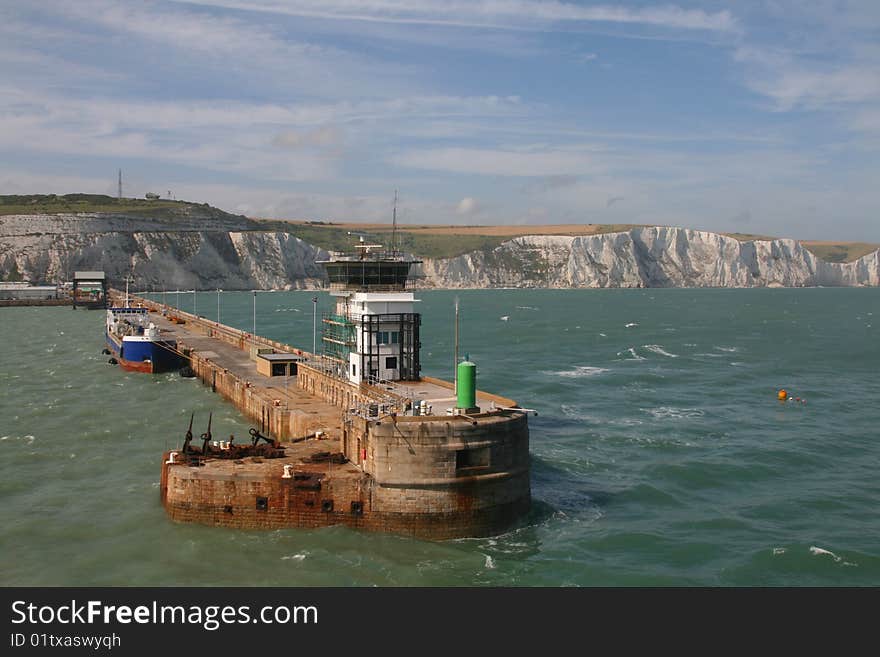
(467, 384)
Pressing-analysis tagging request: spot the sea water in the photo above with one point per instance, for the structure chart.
(660, 454)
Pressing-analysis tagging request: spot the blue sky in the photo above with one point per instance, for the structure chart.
(754, 116)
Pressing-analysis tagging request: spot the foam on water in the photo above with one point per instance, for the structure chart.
(579, 371)
(670, 412)
(817, 551)
(632, 352)
(657, 349)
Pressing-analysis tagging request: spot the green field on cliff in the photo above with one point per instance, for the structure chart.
(55, 204)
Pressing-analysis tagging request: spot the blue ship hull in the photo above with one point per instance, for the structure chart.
(152, 357)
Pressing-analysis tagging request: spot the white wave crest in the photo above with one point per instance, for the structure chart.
(632, 352)
(817, 551)
(295, 557)
(727, 349)
(630, 325)
(573, 413)
(664, 412)
(657, 349)
(490, 562)
(579, 371)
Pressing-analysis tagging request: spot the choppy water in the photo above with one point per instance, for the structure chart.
(660, 455)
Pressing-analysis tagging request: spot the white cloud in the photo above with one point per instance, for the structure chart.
(323, 137)
(207, 46)
(467, 206)
(259, 140)
(515, 14)
(793, 83)
(535, 161)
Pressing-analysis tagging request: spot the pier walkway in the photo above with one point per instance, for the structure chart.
(225, 358)
(221, 356)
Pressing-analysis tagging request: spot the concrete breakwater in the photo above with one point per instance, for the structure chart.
(349, 454)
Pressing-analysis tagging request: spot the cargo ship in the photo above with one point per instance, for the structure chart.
(135, 342)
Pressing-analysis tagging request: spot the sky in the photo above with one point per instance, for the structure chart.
(759, 116)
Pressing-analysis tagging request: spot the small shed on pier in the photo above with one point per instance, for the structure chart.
(283, 364)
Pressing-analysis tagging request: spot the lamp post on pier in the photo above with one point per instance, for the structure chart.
(314, 327)
(218, 304)
(254, 334)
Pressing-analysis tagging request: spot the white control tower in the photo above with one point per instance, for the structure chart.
(373, 335)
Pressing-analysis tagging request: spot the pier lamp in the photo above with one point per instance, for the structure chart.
(314, 326)
(194, 302)
(254, 334)
(218, 304)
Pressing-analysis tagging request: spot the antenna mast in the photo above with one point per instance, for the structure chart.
(128, 279)
(394, 225)
(119, 187)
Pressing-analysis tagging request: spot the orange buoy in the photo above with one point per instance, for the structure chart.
(782, 395)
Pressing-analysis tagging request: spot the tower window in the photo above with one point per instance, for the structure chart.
(387, 337)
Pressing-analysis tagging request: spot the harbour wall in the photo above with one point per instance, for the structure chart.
(436, 476)
(245, 501)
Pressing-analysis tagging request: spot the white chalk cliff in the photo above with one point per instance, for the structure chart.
(233, 253)
(228, 254)
(647, 257)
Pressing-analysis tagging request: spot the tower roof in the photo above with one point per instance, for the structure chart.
(368, 270)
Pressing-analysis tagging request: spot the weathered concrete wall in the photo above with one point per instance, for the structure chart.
(189, 495)
(342, 393)
(264, 502)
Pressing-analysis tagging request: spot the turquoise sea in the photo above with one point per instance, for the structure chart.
(660, 455)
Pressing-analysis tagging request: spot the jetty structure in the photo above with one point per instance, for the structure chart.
(355, 435)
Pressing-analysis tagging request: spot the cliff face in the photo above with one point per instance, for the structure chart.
(208, 253)
(51, 248)
(647, 257)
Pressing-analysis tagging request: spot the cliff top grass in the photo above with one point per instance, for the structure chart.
(840, 251)
(438, 241)
(428, 240)
(70, 203)
(155, 209)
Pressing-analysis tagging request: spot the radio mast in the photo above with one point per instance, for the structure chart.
(394, 225)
